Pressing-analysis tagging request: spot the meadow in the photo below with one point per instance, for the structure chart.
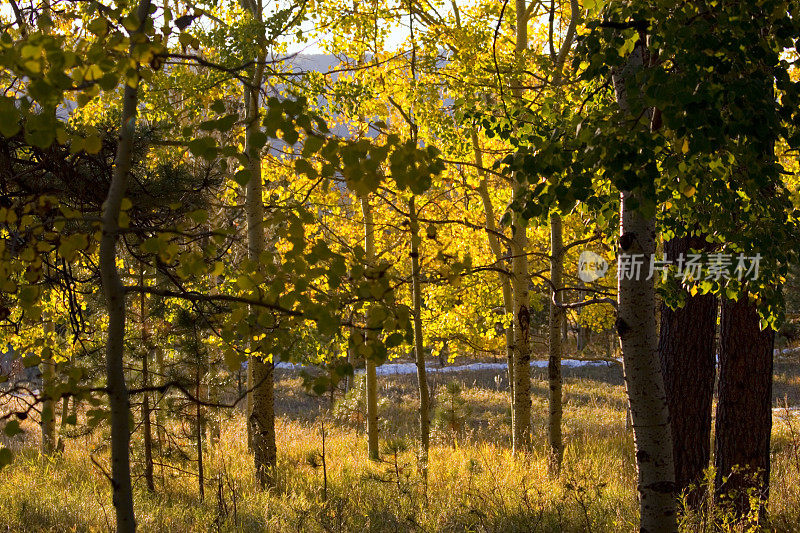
(473, 481)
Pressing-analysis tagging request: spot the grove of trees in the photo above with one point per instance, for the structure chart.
(193, 192)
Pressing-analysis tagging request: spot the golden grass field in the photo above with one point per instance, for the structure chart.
(474, 483)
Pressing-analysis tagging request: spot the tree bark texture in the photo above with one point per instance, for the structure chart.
(114, 295)
(419, 344)
(636, 326)
(261, 418)
(554, 345)
(744, 406)
(686, 348)
(371, 372)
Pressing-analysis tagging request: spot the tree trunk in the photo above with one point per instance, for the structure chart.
(558, 318)
(744, 407)
(686, 349)
(636, 326)
(63, 426)
(114, 294)
(148, 432)
(554, 335)
(261, 418)
(584, 334)
(419, 349)
(519, 265)
(159, 411)
(497, 252)
(48, 422)
(146, 427)
(371, 382)
(199, 433)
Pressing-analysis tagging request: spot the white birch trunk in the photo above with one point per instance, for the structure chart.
(371, 374)
(638, 333)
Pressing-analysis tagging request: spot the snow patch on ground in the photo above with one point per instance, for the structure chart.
(401, 369)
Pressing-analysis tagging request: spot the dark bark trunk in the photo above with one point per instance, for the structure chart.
(686, 349)
(199, 434)
(419, 342)
(114, 294)
(148, 430)
(557, 319)
(744, 407)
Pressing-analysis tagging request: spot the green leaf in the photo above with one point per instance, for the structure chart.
(12, 428)
(205, 147)
(302, 166)
(242, 177)
(258, 139)
(5, 457)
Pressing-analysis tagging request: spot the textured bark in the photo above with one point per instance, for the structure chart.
(583, 334)
(419, 345)
(636, 326)
(371, 377)
(261, 419)
(558, 319)
(686, 349)
(497, 251)
(521, 422)
(48, 421)
(522, 341)
(146, 427)
(744, 407)
(114, 294)
(199, 436)
(63, 427)
(554, 345)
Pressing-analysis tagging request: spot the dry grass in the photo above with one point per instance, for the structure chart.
(475, 485)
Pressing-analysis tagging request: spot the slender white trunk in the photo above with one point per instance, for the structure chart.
(371, 374)
(146, 428)
(419, 348)
(261, 401)
(554, 347)
(505, 280)
(557, 315)
(48, 423)
(638, 333)
(521, 431)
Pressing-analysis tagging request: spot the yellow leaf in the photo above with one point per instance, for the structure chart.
(93, 72)
(30, 51)
(685, 147)
(689, 191)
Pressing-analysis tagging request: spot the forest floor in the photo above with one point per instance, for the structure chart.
(473, 482)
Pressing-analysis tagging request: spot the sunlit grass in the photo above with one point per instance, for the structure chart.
(474, 483)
